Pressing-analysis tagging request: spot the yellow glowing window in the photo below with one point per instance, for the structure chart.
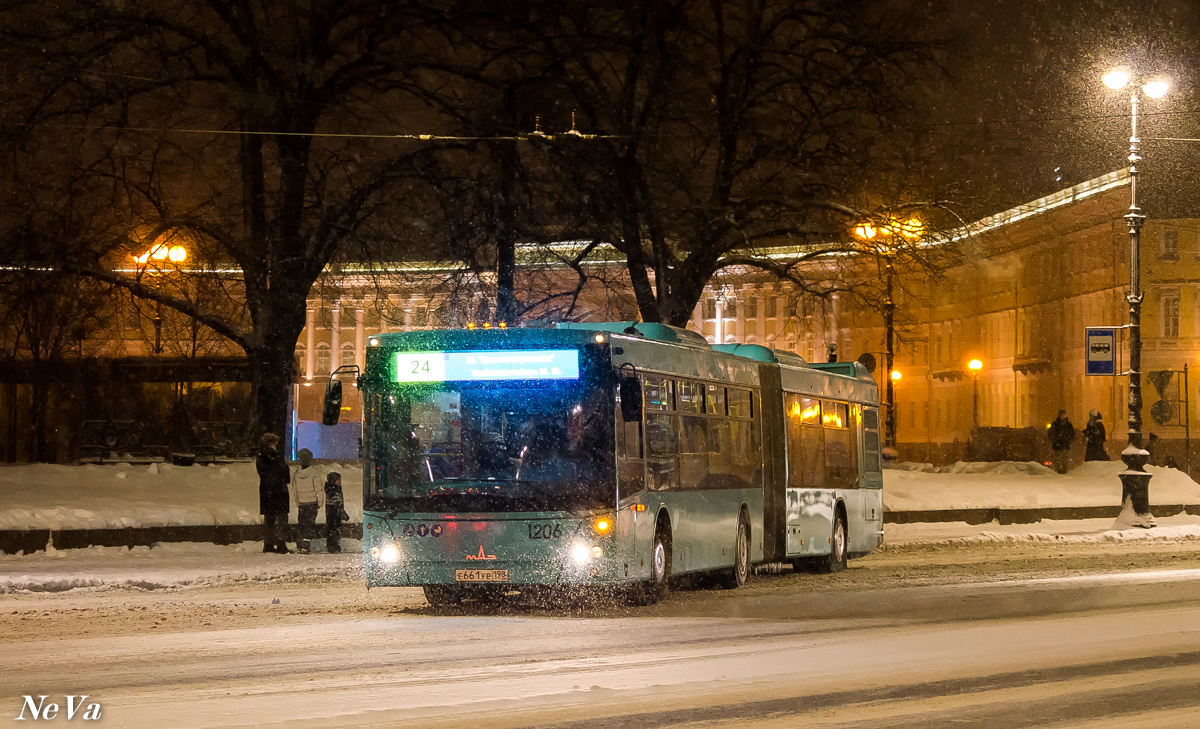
(835, 415)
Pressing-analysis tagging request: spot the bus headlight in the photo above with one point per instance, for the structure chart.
(583, 553)
(389, 553)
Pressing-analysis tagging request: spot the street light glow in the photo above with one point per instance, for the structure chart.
(1118, 78)
(975, 365)
(896, 375)
(865, 231)
(1156, 89)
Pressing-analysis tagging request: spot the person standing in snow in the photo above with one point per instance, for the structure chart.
(335, 513)
(1095, 437)
(1062, 435)
(306, 490)
(273, 499)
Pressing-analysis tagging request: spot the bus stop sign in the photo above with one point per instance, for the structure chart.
(1101, 343)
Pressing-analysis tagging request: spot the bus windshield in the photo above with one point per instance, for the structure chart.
(490, 447)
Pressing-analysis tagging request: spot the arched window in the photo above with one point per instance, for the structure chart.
(710, 339)
(348, 353)
(809, 347)
(730, 339)
(770, 340)
(322, 358)
(751, 339)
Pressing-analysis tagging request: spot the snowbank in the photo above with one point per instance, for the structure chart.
(1009, 485)
(42, 496)
(45, 496)
(171, 566)
(1182, 527)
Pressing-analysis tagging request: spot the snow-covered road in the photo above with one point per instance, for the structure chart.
(1088, 635)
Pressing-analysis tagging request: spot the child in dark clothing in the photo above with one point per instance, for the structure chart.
(335, 513)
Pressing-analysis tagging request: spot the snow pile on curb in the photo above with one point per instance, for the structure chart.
(46, 496)
(1183, 527)
(1010, 485)
(172, 566)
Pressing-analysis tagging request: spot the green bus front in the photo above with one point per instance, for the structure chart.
(489, 460)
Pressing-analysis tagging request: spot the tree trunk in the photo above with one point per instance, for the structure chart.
(506, 236)
(39, 403)
(271, 358)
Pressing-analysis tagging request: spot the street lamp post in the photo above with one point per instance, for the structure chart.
(889, 325)
(975, 365)
(886, 248)
(1135, 481)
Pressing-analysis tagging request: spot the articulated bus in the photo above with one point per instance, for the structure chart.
(614, 455)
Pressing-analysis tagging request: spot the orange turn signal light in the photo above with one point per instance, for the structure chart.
(637, 507)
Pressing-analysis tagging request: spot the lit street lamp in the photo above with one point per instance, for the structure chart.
(911, 229)
(1135, 482)
(975, 365)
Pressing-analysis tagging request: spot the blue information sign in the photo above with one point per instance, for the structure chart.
(503, 364)
(1101, 345)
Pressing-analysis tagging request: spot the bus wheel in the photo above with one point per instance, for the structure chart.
(443, 595)
(836, 561)
(660, 566)
(738, 574)
(654, 589)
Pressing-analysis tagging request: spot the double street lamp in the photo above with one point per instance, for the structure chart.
(1135, 481)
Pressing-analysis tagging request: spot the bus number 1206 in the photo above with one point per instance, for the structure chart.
(544, 531)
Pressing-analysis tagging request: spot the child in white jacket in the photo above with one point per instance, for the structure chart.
(307, 486)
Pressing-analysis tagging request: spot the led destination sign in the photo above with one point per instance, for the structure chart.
(536, 364)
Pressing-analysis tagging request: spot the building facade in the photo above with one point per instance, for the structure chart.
(1024, 286)
(1027, 283)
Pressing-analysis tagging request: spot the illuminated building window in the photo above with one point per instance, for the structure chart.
(347, 354)
(1170, 314)
(323, 359)
(1170, 246)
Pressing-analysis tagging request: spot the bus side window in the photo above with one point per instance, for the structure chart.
(870, 420)
(841, 465)
(661, 456)
(715, 400)
(812, 444)
(745, 446)
(631, 470)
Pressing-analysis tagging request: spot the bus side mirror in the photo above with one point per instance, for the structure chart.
(631, 399)
(332, 412)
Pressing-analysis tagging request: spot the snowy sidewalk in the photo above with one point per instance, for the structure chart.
(171, 566)
(42, 496)
(47, 505)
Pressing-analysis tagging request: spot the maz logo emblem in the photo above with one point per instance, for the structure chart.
(481, 556)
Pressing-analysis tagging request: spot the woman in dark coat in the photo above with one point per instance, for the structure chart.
(1095, 435)
(335, 513)
(273, 498)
